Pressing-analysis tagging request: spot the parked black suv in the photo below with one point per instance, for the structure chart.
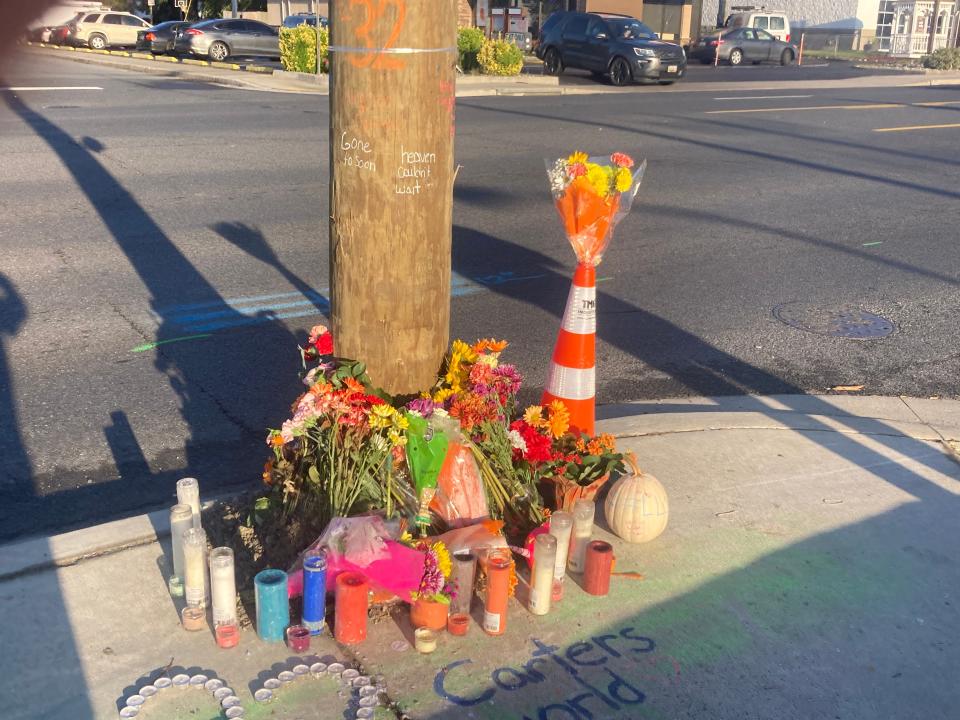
(616, 45)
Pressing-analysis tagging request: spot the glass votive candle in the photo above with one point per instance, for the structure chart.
(273, 607)
(195, 579)
(458, 624)
(425, 640)
(544, 563)
(223, 587)
(583, 513)
(499, 563)
(193, 618)
(228, 636)
(463, 570)
(298, 638)
(188, 493)
(561, 527)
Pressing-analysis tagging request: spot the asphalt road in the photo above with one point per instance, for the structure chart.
(194, 216)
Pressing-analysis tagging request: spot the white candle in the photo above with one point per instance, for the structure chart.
(583, 512)
(223, 587)
(188, 493)
(181, 520)
(561, 526)
(544, 560)
(195, 579)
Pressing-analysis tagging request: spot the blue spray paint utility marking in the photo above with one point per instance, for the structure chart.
(206, 317)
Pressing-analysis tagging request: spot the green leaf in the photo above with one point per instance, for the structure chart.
(313, 475)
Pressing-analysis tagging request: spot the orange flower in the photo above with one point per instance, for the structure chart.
(268, 471)
(594, 447)
(608, 442)
(494, 346)
(559, 418)
(353, 385)
(533, 416)
(321, 388)
(512, 582)
(492, 526)
(580, 445)
(277, 440)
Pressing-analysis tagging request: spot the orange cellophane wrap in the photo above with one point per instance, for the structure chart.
(587, 219)
(460, 499)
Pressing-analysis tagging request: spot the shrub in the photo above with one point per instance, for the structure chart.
(943, 59)
(298, 49)
(469, 42)
(499, 57)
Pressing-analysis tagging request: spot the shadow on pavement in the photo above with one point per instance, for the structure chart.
(207, 374)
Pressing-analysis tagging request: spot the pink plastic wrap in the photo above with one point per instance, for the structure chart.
(398, 571)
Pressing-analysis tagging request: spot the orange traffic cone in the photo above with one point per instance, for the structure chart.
(572, 374)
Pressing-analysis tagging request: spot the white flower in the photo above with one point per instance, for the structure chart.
(517, 441)
(440, 412)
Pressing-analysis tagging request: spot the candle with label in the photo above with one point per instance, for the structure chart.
(188, 493)
(181, 520)
(583, 512)
(195, 579)
(544, 562)
(498, 591)
(223, 587)
(462, 576)
(314, 592)
(561, 526)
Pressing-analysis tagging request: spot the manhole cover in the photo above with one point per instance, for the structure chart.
(845, 321)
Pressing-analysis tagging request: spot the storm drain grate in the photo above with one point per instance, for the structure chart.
(843, 321)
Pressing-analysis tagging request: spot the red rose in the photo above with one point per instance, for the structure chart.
(324, 344)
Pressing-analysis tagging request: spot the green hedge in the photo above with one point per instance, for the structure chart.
(469, 42)
(500, 57)
(298, 49)
(943, 59)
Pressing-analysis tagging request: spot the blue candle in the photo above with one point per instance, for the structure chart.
(314, 592)
(273, 608)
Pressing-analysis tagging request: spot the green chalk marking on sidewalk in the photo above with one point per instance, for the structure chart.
(604, 279)
(151, 346)
(869, 244)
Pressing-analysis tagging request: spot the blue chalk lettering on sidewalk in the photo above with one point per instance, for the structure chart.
(598, 688)
(210, 316)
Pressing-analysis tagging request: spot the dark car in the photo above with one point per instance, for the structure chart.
(292, 21)
(743, 45)
(220, 38)
(617, 46)
(160, 38)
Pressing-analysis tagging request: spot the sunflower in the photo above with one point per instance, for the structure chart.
(533, 416)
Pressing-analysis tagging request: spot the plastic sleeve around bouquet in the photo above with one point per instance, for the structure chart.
(588, 216)
(460, 498)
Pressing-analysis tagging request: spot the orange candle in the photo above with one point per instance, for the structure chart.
(599, 564)
(350, 620)
(498, 590)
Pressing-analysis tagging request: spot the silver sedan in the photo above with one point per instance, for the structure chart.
(221, 38)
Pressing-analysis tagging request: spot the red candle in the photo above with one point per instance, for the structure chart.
(458, 624)
(350, 619)
(298, 638)
(498, 589)
(228, 635)
(599, 563)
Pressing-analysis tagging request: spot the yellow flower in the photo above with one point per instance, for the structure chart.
(577, 157)
(466, 352)
(623, 180)
(396, 439)
(559, 418)
(441, 395)
(533, 416)
(443, 558)
(381, 416)
(400, 422)
(599, 179)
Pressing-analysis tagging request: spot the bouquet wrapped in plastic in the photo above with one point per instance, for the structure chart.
(592, 195)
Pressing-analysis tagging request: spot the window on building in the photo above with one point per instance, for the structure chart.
(941, 19)
(903, 22)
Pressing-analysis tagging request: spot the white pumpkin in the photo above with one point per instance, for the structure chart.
(636, 507)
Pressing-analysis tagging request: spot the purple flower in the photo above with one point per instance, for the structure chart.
(423, 406)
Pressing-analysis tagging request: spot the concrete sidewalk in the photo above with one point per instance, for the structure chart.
(809, 571)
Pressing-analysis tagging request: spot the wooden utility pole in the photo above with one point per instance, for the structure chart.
(392, 100)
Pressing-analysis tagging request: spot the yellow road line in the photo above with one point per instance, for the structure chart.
(917, 127)
(876, 106)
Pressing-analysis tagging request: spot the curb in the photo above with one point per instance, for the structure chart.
(889, 417)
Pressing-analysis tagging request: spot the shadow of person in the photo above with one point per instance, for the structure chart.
(15, 470)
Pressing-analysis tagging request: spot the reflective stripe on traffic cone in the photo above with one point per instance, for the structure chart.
(572, 374)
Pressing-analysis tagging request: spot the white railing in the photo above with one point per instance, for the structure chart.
(915, 45)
